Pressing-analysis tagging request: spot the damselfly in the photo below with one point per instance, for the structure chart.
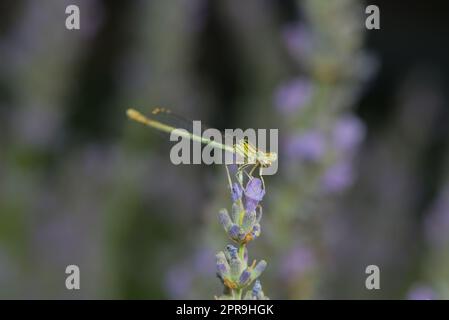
(253, 158)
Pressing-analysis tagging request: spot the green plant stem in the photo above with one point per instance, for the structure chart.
(242, 252)
(238, 294)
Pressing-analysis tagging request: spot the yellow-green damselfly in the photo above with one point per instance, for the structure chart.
(251, 155)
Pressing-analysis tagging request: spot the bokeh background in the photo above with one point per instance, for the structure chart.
(364, 160)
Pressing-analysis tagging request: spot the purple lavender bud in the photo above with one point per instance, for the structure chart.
(260, 267)
(220, 256)
(308, 146)
(232, 251)
(348, 133)
(249, 218)
(257, 288)
(225, 220)
(222, 265)
(253, 194)
(293, 95)
(222, 269)
(236, 267)
(234, 232)
(236, 192)
(245, 277)
(254, 189)
(256, 231)
(236, 212)
(231, 162)
(242, 235)
(257, 271)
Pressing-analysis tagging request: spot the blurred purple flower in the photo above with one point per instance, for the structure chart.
(253, 194)
(297, 39)
(23, 43)
(293, 95)
(338, 177)
(349, 132)
(36, 125)
(421, 292)
(203, 261)
(296, 262)
(197, 13)
(178, 282)
(437, 221)
(309, 146)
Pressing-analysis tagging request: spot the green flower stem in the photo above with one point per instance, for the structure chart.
(238, 294)
(242, 251)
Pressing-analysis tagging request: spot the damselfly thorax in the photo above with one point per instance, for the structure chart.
(264, 159)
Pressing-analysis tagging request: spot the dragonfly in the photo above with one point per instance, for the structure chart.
(254, 158)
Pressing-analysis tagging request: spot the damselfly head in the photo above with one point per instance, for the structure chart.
(271, 157)
(266, 159)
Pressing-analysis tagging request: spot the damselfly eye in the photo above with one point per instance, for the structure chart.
(273, 156)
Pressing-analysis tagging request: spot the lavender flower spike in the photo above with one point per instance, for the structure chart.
(241, 226)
